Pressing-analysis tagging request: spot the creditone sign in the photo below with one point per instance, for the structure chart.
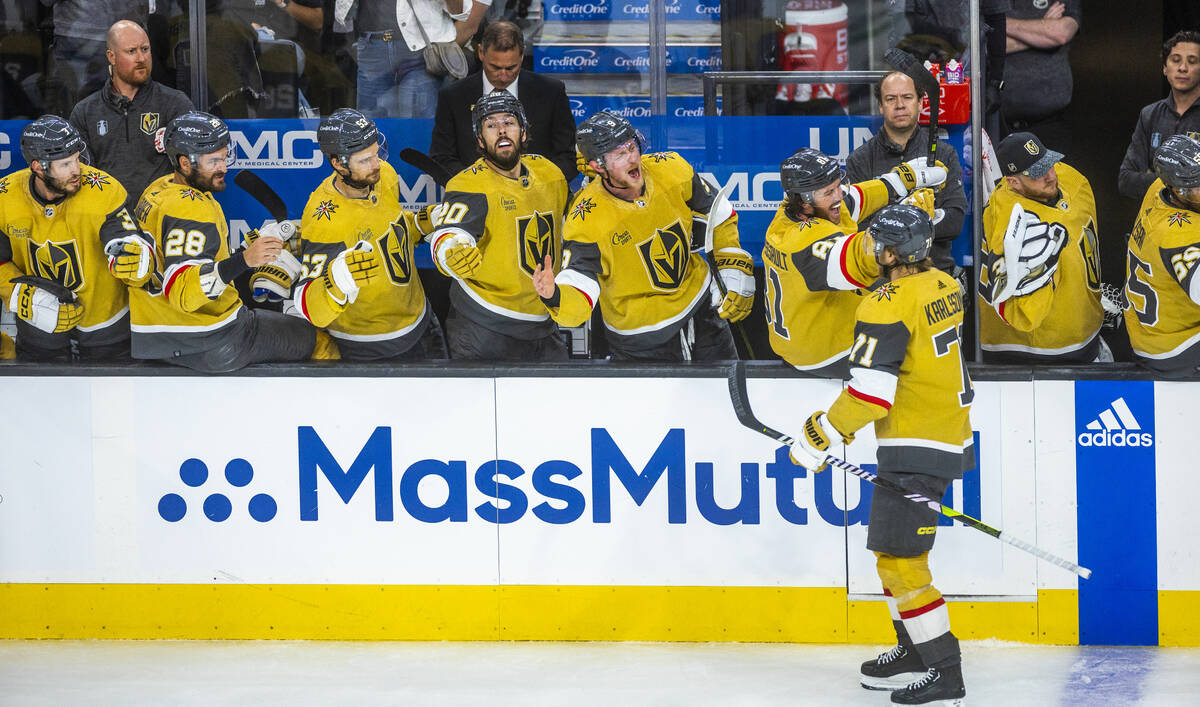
(596, 10)
(623, 59)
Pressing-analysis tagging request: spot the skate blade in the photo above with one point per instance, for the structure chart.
(956, 702)
(899, 681)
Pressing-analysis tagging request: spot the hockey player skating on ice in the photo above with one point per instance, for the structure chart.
(198, 320)
(56, 218)
(383, 313)
(1161, 283)
(632, 244)
(501, 219)
(1039, 282)
(817, 264)
(909, 378)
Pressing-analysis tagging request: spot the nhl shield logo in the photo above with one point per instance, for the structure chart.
(394, 245)
(149, 123)
(102, 127)
(666, 257)
(535, 233)
(57, 261)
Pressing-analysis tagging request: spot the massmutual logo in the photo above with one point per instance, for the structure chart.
(1115, 426)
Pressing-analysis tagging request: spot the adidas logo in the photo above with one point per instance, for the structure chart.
(1115, 427)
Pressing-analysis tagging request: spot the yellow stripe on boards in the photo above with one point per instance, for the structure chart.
(1179, 618)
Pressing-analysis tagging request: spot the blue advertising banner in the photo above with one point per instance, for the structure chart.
(604, 10)
(623, 59)
(742, 149)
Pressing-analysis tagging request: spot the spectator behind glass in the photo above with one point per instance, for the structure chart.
(1178, 113)
(77, 65)
(551, 124)
(392, 80)
(902, 139)
(1037, 74)
(124, 121)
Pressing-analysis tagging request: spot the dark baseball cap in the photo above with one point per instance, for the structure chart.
(1024, 154)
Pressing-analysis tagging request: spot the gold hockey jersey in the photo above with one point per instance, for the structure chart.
(516, 223)
(189, 231)
(1161, 283)
(64, 241)
(641, 260)
(390, 313)
(1060, 321)
(907, 373)
(816, 274)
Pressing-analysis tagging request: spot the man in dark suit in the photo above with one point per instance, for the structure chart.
(551, 124)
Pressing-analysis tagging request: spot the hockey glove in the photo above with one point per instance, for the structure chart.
(283, 230)
(923, 199)
(915, 174)
(1031, 250)
(349, 272)
(735, 267)
(35, 304)
(812, 446)
(131, 260)
(458, 255)
(273, 282)
(583, 166)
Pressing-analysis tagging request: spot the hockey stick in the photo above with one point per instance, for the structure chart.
(426, 164)
(911, 67)
(270, 200)
(741, 408)
(710, 257)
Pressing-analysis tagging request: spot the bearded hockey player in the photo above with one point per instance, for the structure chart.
(1039, 281)
(198, 320)
(385, 316)
(817, 263)
(909, 378)
(632, 244)
(501, 219)
(1163, 318)
(57, 219)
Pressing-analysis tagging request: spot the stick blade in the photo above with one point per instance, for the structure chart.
(426, 164)
(253, 185)
(912, 67)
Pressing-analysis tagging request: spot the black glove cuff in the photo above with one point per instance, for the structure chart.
(232, 266)
(553, 300)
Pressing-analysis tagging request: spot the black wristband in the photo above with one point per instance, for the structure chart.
(232, 266)
(553, 300)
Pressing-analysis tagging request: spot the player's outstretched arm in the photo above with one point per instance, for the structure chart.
(326, 296)
(569, 296)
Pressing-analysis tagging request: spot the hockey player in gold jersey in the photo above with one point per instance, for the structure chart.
(817, 264)
(197, 320)
(388, 317)
(1161, 283)
(632, 245)
(908, 376)
(1039, 279)
(57, 217)
(500, 220)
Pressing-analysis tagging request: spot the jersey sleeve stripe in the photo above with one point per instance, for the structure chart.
(586, 285)
(303, 304)
(174, 272)
(874, 387)
(855, 200)
(840, 253)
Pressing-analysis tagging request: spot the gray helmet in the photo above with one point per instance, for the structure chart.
(605, 131)
(806, 171)
(906, 229)
(498, 101)
(1177, 162)
(347, 131)
(193, 134)
(51, 138)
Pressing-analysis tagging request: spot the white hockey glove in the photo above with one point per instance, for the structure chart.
(350, 271)
(812, 445)
(273, 282)
(283, 230)
(457, 254)
(43, 310)
(130, 259)
(735, 267)
(915, 174)
(1031, 250)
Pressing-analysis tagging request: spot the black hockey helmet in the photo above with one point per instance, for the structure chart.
(193, 134)
(51, 138)
(347, 131)
(1177, 162)
(806, 171)
(498, 101)
(605, 131)
(906, 229)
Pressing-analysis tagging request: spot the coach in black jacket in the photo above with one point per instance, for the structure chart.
(551, 124)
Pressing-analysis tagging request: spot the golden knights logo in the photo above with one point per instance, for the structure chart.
(57, 261)
(582, 208)
(666, 256)
(1089, 245)
(149, 123)
(325, 210)
(95, 180)
(396, 251)
(885, 292)
(1178, 219)
(3, 186)
(535, 234)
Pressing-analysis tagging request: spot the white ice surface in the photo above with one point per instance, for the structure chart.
(623, 674)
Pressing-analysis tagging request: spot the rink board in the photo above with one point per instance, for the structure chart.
(473, 507)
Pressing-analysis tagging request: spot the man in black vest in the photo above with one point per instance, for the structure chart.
(551, 124)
